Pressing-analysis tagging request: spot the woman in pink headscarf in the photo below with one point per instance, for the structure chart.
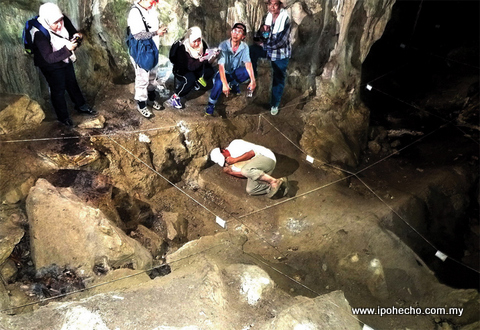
(193, 68)
(54, 55)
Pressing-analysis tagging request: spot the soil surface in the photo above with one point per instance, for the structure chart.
(331, 214)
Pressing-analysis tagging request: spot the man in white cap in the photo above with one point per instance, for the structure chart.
(247, 160)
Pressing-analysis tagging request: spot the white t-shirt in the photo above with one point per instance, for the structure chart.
(239, 147)
(135, 21)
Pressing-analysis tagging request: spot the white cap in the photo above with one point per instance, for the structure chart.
(217, 157)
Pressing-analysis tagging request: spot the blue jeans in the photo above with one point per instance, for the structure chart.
(236, 77)
(278, 80)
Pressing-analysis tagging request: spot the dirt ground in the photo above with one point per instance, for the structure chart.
(304, 240)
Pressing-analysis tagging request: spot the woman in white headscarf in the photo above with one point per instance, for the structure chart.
(193, 68)
(54, 55)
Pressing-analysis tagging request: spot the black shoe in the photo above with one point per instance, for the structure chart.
(67, 122)
(86, 109)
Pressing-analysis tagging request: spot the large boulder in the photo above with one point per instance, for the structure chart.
(67, 232)
(18, 113)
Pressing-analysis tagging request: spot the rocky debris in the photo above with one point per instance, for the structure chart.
(254, 282)
(10, 233)
(207, 288)
(97, 122)
(71, 154)
(60, 223)
(8, 270)
(54, 281)
(336, 314)
(18, 113)
(151, 241)
(176, 226)
(19, 192)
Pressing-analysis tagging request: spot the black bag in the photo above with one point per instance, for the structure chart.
(172, 55)
(143, 52)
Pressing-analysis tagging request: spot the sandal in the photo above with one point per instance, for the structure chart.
(273, 191)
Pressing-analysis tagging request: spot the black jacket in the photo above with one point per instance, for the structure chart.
(43, 54)
(186, 63)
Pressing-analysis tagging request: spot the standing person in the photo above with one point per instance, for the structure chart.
(247, 160)
(274, 36)
(234, 67)
(192, 68)
(144, 24)
(54, 56)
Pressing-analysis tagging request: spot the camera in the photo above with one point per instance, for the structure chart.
(76, 39)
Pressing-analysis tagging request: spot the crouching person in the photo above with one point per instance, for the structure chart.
(193, 66)
(234, 67)
(247, 160)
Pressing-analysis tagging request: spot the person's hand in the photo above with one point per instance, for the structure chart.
(78, 34)
(71, 45)
(229, 160)
(252, 85)
(226, 89)
(161, 31)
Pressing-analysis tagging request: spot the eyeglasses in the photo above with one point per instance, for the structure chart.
(237, 31)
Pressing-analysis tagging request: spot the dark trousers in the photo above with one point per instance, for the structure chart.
(279, 72)
(256, 52)
(236, 77)
(60, 80)
(187, 81)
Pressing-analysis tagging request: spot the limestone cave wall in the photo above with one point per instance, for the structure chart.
(331, 38)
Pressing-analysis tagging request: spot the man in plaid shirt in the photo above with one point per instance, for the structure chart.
(274, 36)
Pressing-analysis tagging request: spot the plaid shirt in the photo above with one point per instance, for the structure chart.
(278, 45)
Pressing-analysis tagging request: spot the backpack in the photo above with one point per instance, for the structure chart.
(27, 35)
(144, 52)
(172, 55)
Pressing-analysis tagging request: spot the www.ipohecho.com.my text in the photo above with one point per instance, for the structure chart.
(408, 311)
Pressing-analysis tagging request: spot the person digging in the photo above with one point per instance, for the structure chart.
(244, 159)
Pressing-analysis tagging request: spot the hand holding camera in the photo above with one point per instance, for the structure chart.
(77, 39)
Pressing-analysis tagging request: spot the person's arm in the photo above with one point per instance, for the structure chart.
(223, 78)
(252, 84)
(228, 170)
(44, 47)
(246, 156)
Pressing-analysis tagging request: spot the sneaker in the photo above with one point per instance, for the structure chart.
(173, 102)
(274, 111)
(86, 109)
(142, 108)
(209, 109)
(156, 105)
